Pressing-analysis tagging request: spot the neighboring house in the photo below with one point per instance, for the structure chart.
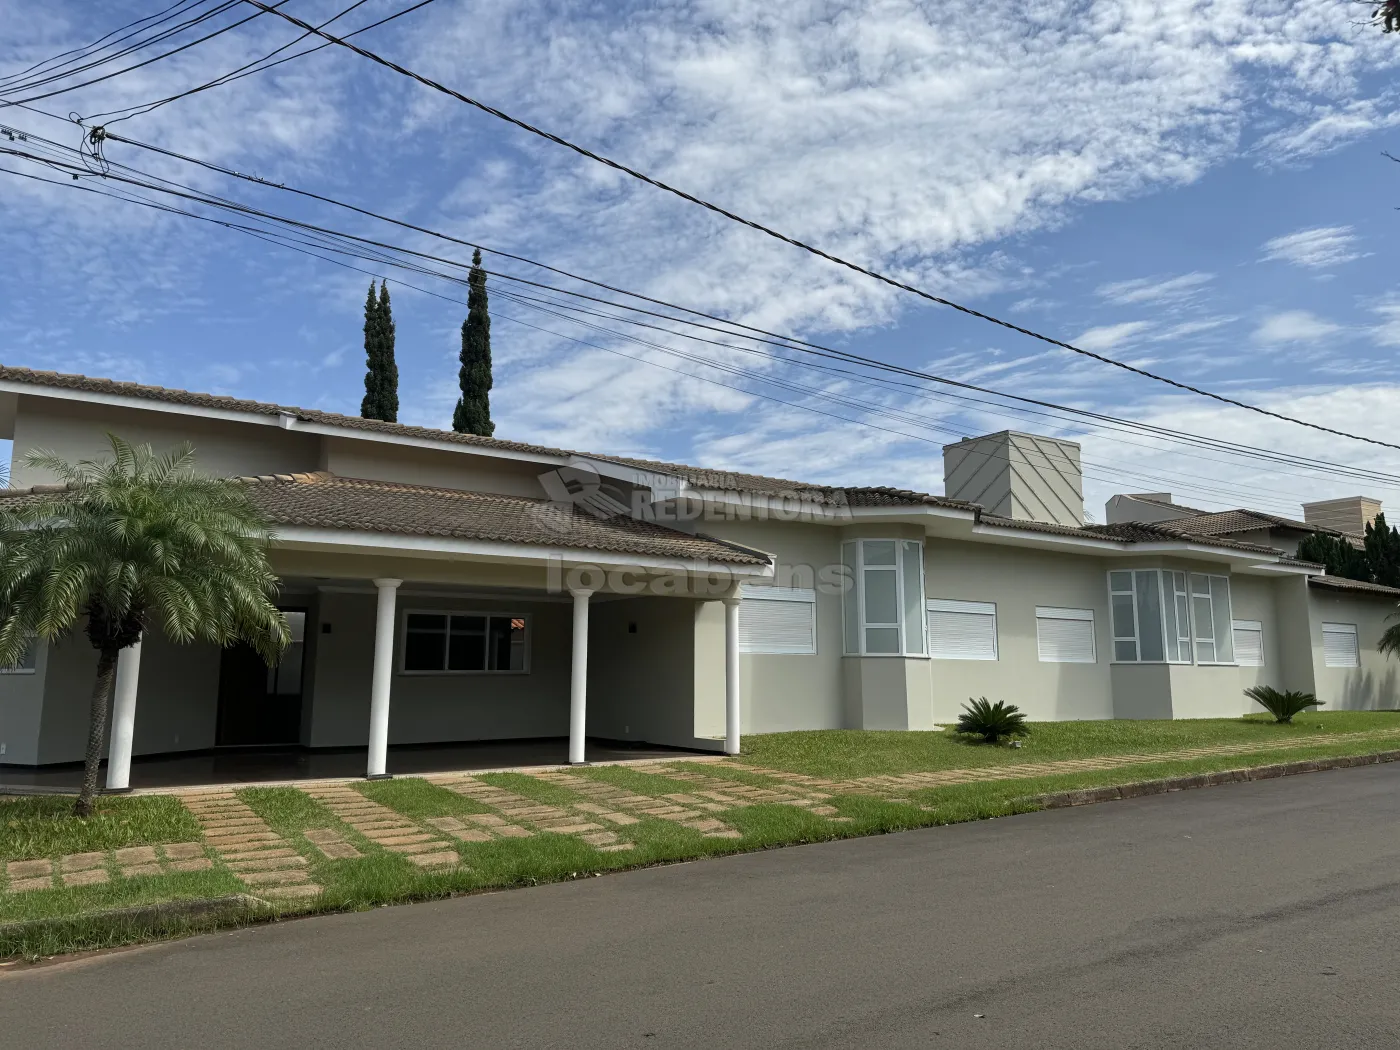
(1246, 526)
(445, 587)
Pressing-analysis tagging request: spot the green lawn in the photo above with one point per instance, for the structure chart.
(43, 827)
(841, 753)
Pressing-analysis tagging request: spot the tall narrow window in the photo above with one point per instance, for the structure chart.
(1210, 614)
(1123, 608)
(888, 591)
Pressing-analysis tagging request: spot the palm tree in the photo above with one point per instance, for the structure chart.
(126, 543)
(1390, 637)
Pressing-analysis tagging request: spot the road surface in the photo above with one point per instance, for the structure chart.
(1263, 915)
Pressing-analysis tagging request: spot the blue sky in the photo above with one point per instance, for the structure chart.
(1195, 187)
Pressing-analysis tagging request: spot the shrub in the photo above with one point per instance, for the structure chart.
(1283, 706)
(992, 721)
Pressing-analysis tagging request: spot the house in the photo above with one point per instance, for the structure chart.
(1248, 526)
(445, 587)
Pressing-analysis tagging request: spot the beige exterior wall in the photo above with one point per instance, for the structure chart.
(1017, 580)
(1375, 685)
(78, 430)
(787, 691)
(429, 707)
(410, 465)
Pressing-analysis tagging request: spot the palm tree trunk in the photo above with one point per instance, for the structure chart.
(97, 724)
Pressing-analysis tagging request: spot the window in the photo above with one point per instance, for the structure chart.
(1249, 642)
(437, 642)
(1339, 646)
(1210, 613)
(778, 620)
(26, 662)
(962, 630)
(1163, 616)
(1065, 636)
(881, 611)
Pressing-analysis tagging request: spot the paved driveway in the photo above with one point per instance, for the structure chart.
(1254, 915)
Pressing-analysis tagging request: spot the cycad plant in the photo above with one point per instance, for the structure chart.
(127, 543)
(992, 721)
(1283, 706)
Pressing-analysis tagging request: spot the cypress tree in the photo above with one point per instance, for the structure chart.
(1383, 552)
(381, 373)
(473, 412)
(1337, 555)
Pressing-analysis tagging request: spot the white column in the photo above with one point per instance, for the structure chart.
(731, 675)
(383, 678)
(123, 718)
(578, 687)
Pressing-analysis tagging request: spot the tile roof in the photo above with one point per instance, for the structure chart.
(1223, 522)
(1341, 583)
(701, 476)
(1134, 532)
(323, 500)
(873, 496)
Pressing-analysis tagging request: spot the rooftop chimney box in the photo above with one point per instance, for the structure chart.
(1350, 515)
(1022, 476)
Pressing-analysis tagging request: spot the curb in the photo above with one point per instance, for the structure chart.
(1089, 796)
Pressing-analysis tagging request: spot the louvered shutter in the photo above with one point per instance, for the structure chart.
(1249, 643)
(962, 630)
(1065, 636)
(778, 620)
(1339, 647)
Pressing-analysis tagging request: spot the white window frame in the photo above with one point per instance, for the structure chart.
(1167, 588)
(985, 609)
(1050, 612)
(903, 548)
(488, 613)
(1349, 630)
(1248, 627)
(1216, 635)
(804, 595)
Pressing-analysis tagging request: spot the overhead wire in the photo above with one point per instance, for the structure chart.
(732, 327)
(259, 65)
(139, 65)
(795, 242)
(1372, 475)
(1193, 483)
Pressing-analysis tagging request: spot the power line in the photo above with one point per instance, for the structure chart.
(147, 62)
(759, 334)
(856, 267)
(160, 16)
(256, 66)
(841, 355)
(864, 406)
(841, 400)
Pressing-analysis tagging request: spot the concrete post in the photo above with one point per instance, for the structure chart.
(578, 686)
(383, 678)
(731, 674)
(123, 718)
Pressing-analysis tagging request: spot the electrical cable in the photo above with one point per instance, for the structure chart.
(820, 253)
(1333, 468)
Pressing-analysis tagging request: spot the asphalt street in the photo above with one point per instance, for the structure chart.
(1252, 915)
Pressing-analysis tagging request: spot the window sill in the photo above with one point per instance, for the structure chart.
(884, 656)
(17, 670)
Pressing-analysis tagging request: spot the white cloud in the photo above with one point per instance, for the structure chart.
(1107, 337)
(1294, 326)
(1155, 289)
(1316, 248)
